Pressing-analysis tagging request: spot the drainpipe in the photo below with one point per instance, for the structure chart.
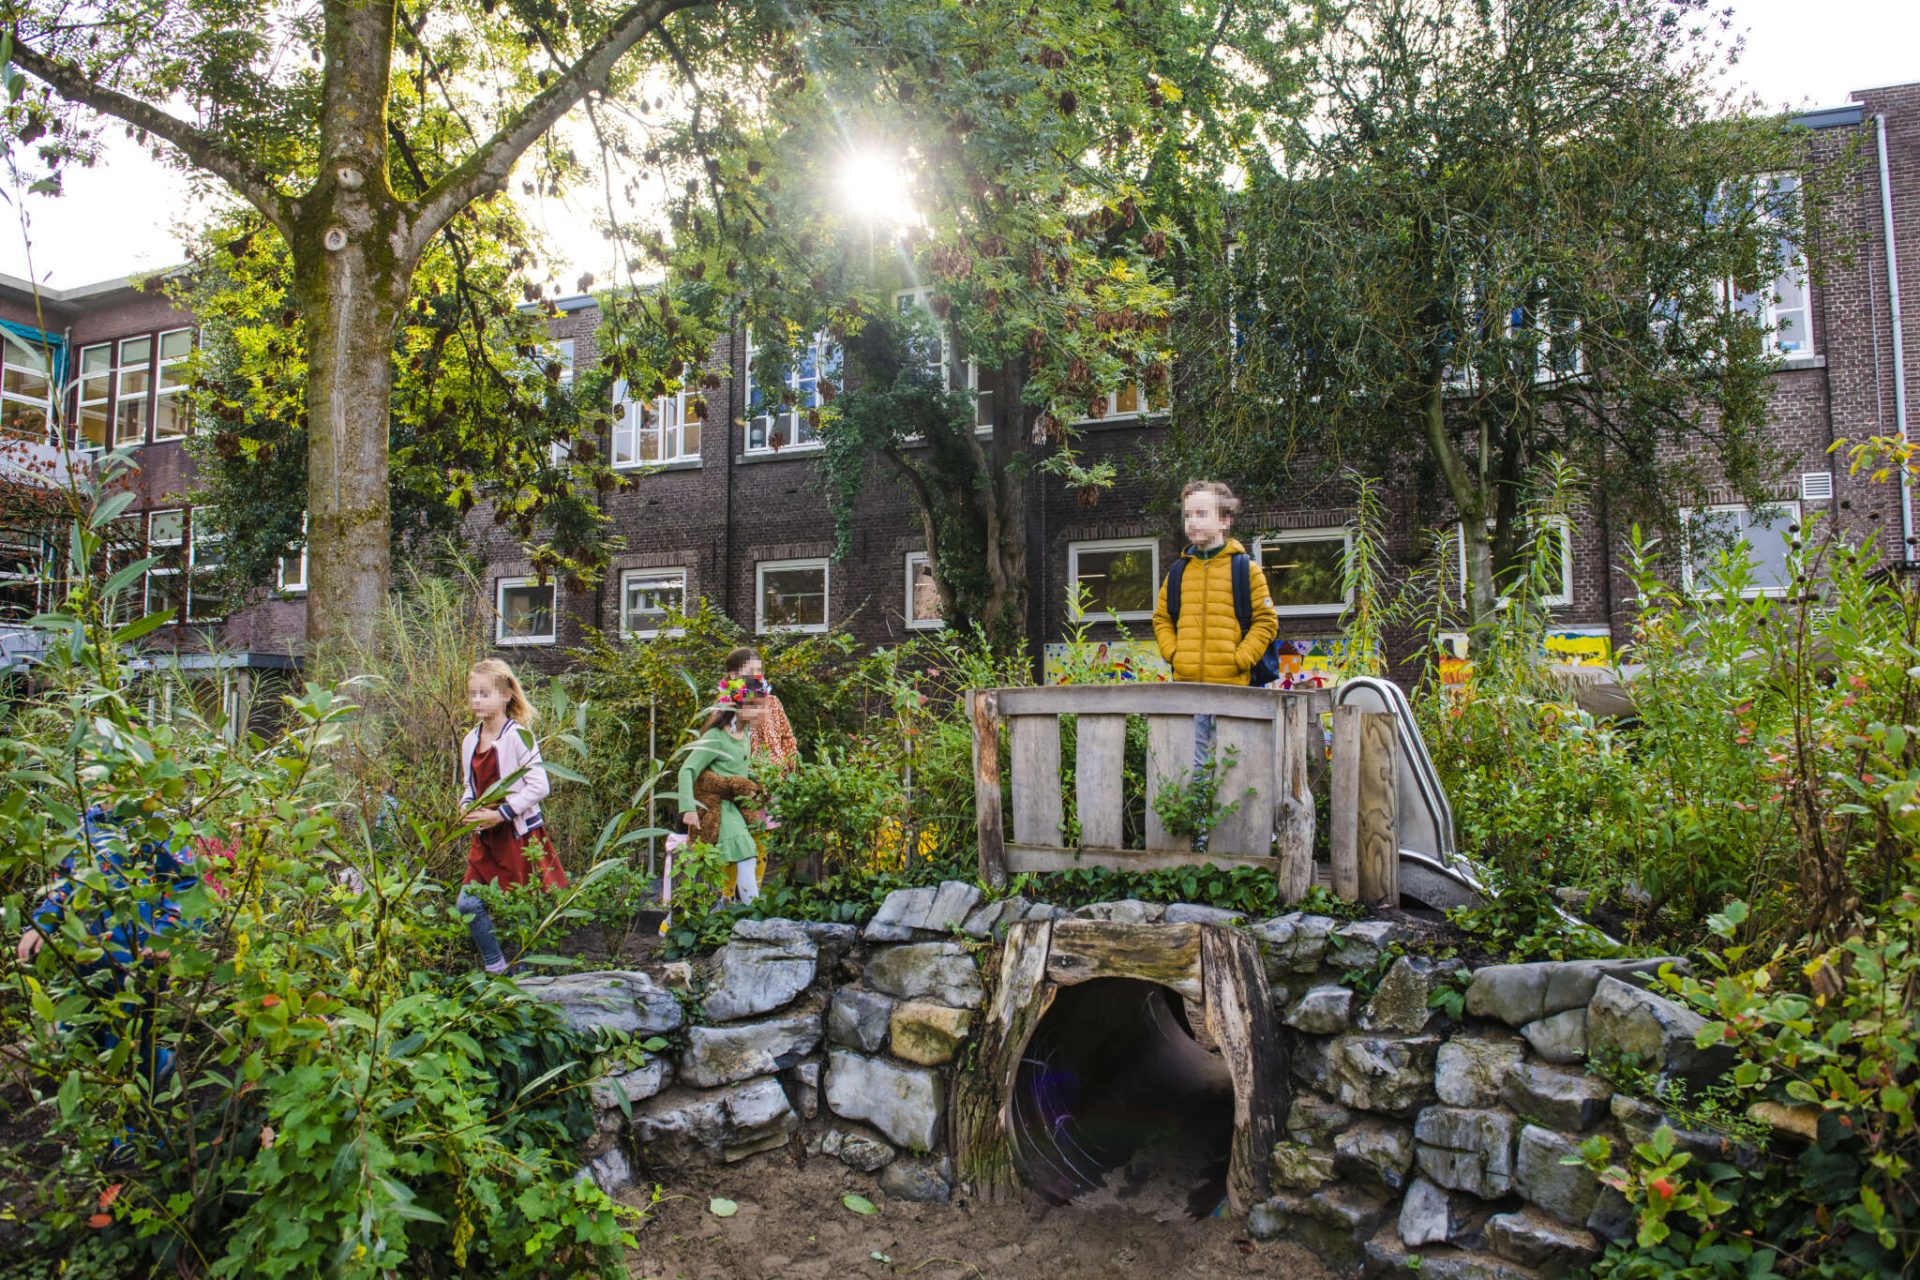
(1899, 338)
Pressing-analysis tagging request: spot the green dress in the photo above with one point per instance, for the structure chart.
(726, 755)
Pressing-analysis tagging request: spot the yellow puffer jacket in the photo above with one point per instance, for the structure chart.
(1204, 643)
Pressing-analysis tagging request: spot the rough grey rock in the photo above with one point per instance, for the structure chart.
(1567, 1191)
(1125, 911)
(609, 1000)
(904, 1103)
(868, 1155)
(610, 1170)
(1309, 1061)
(1612, 1217)
(1517, 994)
(635, 1086)
(833, 941)
(1533, 1239)
(1195, 913)
(1570, 1100)
(1559, 1037)
(1430, 1214)
(1314, 1119)
(1638, 1119)
(928, 1034)
(803, 1087)
(681, 1127)
(1658, 1034)
(1376, 1154)
(739, 1051)
(765, 965)
(992, 919)
(924, 1181)
(1336, 1222)
(859, 1019)
(911, 913)
(1361, 944)
(942, 972)
(1470, 1071)
(1400, 1002)
(1467, 1150)
(1300, 1167)
(1387, 1257)
(1389, 1074)
(1267, 1220)
(1293, 943)
(1322, 1011)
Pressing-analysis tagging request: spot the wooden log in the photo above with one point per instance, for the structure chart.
(1168, 954)
(1239, 1016)
(1169, 758)
(1344, 833)
(986, 787)
(1024, 858)
(1100, 744)
(1295, 820)
(1033, 744)
(1248, 783)
(1376, 810)
(1021, 997)
(1132, 697)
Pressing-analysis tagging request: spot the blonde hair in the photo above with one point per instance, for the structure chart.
(1223, 500)
(519, 710)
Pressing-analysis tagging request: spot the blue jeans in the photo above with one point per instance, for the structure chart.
(1205, 733)
(480, 929)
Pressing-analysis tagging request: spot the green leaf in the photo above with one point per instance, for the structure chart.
(141, 626)
(859, 1204)
(720, 1207)
(69, 1096)
(111, 508)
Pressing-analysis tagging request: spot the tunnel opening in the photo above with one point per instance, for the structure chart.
(1117, 1100)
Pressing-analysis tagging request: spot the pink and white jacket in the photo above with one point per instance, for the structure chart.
(516, 749)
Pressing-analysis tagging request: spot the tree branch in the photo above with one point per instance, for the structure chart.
(204, 149)
(486, 169)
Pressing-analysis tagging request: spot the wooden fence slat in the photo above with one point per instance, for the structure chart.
(1344, 834)
(1170, 699)
(1033, 744)
(1169, 757)
(1376, 811)
(1250, 782)
(1100, 744)
(986, 787)
(1297, 729)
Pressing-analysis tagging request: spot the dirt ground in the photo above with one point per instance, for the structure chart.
(791, 1225)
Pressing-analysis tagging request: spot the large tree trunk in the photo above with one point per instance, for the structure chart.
(1469, 499)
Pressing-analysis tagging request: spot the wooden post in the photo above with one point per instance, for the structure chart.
(1239, 1016)
(1343, 810)
(1376, 814)
(986, 787)
(1295, 819)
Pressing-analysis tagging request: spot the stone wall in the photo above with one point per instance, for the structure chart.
(1410, 1134)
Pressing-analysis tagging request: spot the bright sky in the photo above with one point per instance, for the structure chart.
(124, 216)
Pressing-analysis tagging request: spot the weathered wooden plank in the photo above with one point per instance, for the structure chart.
(1169, 699)
(1100, 744)
(1376, 810)
(986, 786)
(1033, 748)
(1240, 1019)
(1168, 954)
(1295, 820)
(1023, 858)
(1247, 781)
(1169, 757)
(1344, 833)
(1021, 997)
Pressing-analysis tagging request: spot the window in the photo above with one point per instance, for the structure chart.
(134, 381)
(560, 352)
(169, 397)
(791, 595)
(649, 433)
(293, 566)
(25, 389)
(1781, 305)
(1306, 570)
(771, 424)
(908, 301)
(1128, 402)
(166, 577)
(923, 598)
(1766, 534)
(206, 593)
(523, 612)
(647, 596)
(125, 544)
(95, 396)
(22, 575)
(1119, 579)
(1559, 568)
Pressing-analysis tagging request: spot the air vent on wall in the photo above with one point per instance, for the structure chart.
(1816, 486)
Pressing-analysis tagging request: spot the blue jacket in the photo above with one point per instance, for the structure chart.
(154, 863)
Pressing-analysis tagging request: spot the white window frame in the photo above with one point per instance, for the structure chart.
(664, 418)
(560, 452)
(915, 559)
(294, 586)
(760, 570)
(34, 557)
(1113, 414)
(1769, 309)
(1325, 534)
(103, 402)
(1077, 549)
(120, 398)
(822, 348)
(1688, 570)
(982, 400)
(162, 392)
(1562, 599)
(658, 576)
(500, 588)
(44, 372)
(185, 542)
(194, 542)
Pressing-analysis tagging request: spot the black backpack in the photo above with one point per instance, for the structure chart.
(1267, 669)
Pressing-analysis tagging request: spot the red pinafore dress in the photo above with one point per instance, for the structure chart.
(500, 853)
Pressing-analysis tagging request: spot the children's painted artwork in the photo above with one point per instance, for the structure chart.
(1573, 646)
(1311, 662)
(1107, 661)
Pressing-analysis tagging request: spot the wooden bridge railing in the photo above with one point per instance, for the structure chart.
(1268, 745)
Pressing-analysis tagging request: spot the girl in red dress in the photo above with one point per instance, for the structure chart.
(509, 837)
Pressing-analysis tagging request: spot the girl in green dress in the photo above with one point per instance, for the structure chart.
(717, 777)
